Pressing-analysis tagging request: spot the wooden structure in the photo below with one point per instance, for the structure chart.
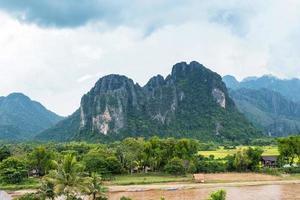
(198, 178)
(269, 161)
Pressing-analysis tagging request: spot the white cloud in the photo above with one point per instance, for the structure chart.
(56, 66)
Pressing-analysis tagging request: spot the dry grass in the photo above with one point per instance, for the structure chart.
(238, 177)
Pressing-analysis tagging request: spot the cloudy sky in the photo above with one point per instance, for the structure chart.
(55, 50)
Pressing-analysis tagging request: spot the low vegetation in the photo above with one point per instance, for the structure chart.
(218, 195)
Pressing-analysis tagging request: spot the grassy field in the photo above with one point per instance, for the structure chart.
(222, 153)
(136, 179)
(31, 183)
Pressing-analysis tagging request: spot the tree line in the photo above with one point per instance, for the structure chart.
(63, 166)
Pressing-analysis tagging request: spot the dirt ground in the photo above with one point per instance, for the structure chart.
(238, 177)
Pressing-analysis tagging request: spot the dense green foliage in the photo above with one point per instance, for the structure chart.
(245, 160)
(13, 170)
(289, 149)
(4, 152)
(79, 168)
(175, 166)
(62, 161)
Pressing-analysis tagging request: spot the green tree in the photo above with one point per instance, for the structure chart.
(94, 187)
(131, 153)
(13, 170)
(40, 160)
(113, 165)
(68, 177)
(175, 166)
(254, 155)
(4, 152)
(47, 190)
(95, 162)
(289, 148)
(245, 159)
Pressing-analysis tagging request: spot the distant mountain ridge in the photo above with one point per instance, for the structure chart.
(22, 118)
(272, 104)
(289, 88)
(268, 110)
(190, 102)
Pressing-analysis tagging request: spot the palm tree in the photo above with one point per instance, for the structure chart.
(94, 186)
(67, 179)
(47, 190)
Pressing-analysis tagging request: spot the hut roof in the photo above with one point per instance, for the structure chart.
(269, 158)
(198, 177)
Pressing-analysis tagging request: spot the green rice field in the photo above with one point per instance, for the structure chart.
(222, 153)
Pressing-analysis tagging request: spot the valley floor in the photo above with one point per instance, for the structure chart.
(212, 182)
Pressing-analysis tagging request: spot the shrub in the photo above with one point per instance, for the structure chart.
(175, 166)
(31, 196)
(292, 170)
(125, 198)
(13, 170)
(113, 165)
(211, 166)
(271, 171)
(218, 195)
(101, 198)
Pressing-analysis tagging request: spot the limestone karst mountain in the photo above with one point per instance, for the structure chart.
(190, 102)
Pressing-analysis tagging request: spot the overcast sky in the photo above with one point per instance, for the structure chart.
(55, 50)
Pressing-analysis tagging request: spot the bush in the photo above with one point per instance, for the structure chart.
(4, 153)
(211, 166)
(271, 171)
(13, 170)
(218, 195)
(175, 166)
(125, 198)
(113, 165)
(292, 170)
(31, 196)
(101, 198)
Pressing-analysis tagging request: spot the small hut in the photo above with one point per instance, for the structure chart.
(198, 178)
(269, 161)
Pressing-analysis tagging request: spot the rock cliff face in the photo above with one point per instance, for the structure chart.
(191, 102)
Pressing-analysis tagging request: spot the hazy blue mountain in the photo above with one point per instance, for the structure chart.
(289, 88)
(272, 104)
(22, 118)
(231, 82)
(268, 110)
(191, 102)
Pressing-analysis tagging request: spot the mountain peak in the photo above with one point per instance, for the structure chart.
(183, 68)
(230, 81)
(29, 117)
(112, 82)
(18, 95)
